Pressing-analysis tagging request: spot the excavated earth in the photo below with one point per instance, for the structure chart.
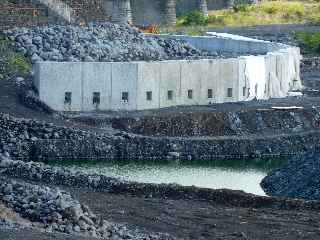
(178, 212)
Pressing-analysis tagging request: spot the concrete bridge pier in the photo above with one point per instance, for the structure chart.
(118, 10)
(170, 12)
(203, 6)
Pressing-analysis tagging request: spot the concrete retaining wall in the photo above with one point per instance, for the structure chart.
(222, 42)
(147, 84)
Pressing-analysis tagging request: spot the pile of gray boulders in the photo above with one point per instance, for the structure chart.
(104, 42)
(52, 207)
(58, 211)
(300, 178)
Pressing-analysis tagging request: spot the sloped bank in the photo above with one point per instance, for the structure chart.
(130, 147)
(32, 140)
(300, 178)
(213, 123)
(56, 210)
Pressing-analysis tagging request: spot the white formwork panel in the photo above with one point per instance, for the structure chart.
(148, 81)
(96, 79)
(57, 78)
(124, 78)
(170, 80)
(192, 73)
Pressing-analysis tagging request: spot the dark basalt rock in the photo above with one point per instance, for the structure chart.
(300, 178)
(105, 42)
(57, 210)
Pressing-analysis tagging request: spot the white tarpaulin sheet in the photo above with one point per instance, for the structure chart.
(255, 74)
(273, 75)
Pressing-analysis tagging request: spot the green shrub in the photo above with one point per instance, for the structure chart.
(240, 5)
(309, 42)
(195, 18)
(17, 63)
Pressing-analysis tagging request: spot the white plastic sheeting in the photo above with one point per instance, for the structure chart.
(255, 75)
(273, 75)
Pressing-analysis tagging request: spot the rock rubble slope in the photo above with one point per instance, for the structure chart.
(101, 43)
(299, 179)
(57, 211)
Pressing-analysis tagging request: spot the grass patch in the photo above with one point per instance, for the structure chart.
(194, 18)
(264, 13)
(18, 64)
(15, 63)
(275, 12)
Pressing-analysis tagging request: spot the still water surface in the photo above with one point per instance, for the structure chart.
(243, 175)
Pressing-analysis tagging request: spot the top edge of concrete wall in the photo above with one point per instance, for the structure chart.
(153, 61)
(228, 42)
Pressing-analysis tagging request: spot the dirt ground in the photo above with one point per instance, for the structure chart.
(188, 219)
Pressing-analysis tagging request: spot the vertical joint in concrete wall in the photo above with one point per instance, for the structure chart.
(203, 6)
(170, 12)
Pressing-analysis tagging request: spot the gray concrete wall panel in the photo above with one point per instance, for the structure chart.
(58, 78)
(228, 78)
(149, 74)
(191, 77)
(124, 79)
(170, 80)
(209, 80)
(96, 77)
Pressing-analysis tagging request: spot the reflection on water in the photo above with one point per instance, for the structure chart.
(243, 175)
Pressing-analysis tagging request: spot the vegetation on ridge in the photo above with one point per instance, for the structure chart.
(242, 15)
(13, 63)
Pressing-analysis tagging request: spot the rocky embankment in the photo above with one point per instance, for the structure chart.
(55, 210)
(299, 179)
(105, 43)
(266, 120)
(33, 140)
